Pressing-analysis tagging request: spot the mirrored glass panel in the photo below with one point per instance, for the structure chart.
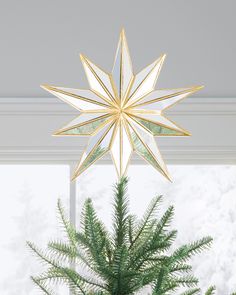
(85, 124)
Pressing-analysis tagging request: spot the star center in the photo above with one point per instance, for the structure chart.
(120, 111)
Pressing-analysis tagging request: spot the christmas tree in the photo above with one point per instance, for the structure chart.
(136, 254)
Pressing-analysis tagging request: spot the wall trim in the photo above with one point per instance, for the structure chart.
(51, 106)
(221, 111)
(181, 155)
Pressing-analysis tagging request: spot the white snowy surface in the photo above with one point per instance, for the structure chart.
(28, 212)
(204, 198)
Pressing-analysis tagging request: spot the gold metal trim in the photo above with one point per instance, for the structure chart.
(156, 62)
(181, 131)
(62, 130)
(77, 171)
(188, 91)
(164, 172)
(55, 89)
(86, 61)
(123, 47)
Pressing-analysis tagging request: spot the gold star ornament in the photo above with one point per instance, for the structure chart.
(122, 112)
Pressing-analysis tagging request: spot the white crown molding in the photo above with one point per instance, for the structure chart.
(181, 155)
(31, 121)
(53, 106)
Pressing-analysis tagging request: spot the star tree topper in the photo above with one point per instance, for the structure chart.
(122, 112)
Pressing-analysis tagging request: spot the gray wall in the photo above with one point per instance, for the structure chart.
(41, 41)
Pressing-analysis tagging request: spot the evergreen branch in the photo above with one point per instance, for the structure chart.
(156, 241)
(191, 292)
(67, 275)
(158, 284)
(120, 217)
(42, 256)
(84, 243)
(169, 286)
(167, 240)
(180, 268)
(188, 281)
(73, 280)
(42, 286)
(69, 228)
(68, 253)
(95, 240)
(131, 228)
(147, 218)
(64, 251)
(211, 290)
(200, 245)
(77, 279)
(185, 252)
(165, 220)
(51, 276)
(60, 274)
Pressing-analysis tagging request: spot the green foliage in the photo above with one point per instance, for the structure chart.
(137, 253)
(210, 291)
